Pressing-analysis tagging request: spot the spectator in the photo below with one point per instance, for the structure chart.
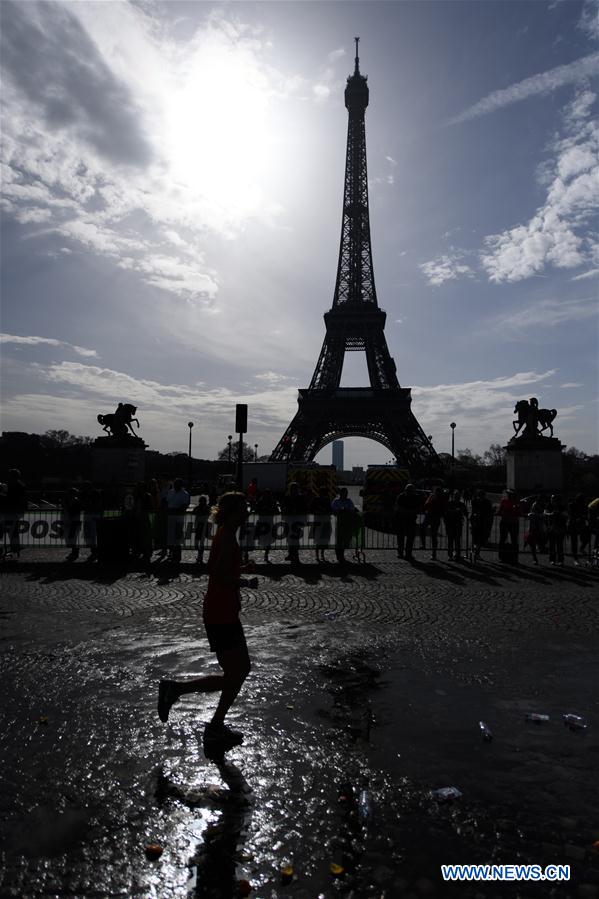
(455, 515)
(142, 533)
(434, 511)
(4, 526)
(578, 526)
(536, 529)
(154, 491)
(201, 512)
(266, 509)
(294, 508)
(177, 501)
(71, 507)
(93, 509)
(508, 512)
(15, 506)
(161, 519)
(556, 520)
(407, 506)
(252, 493)
(321, 510)
(481, 522)
(129, 518)
(344, 511)
(593, 519)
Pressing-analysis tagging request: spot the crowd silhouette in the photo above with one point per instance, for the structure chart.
(154, 521)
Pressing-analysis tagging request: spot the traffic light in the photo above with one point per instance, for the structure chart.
(241, 418)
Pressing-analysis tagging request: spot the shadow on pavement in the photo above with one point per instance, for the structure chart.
(312, 573)
(490, 573)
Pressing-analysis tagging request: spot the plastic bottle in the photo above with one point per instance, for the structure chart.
(364, 807)
(446, 794)
(485, 731)
(574, 722)
(537, 718)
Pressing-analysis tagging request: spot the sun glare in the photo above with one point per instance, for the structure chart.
(217, 142)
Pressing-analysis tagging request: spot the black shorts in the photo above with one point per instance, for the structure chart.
(222, 637)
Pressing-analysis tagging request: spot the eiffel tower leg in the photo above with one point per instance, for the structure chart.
(299, 442)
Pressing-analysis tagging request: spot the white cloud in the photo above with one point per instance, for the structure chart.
(592, 273)
(381, 179)
(335, 55)
(174, 275)
(21, 340)
(554, 236)
(482, 410)
(33, 215)
(445, 268)
(547, 314)
(271, 377)
(166, 178)
(543, 83)
(321, 91)
(326, 84)
(570, 384)
(163, 409)
(557, 234)
(589, 18)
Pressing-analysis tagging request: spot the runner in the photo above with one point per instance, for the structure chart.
(223, 627)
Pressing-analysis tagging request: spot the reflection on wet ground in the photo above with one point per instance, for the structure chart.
(366, 695)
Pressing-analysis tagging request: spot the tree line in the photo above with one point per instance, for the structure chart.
(60, 454)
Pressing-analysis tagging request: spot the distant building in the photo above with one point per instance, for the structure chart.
(338, 454)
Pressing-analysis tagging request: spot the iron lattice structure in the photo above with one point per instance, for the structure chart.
(381, 412)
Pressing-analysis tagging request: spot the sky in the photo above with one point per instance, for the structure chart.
(172, 180)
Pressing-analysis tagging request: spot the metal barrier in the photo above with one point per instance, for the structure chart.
(51, 528)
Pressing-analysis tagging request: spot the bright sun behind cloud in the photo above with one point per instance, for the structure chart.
(216, 139)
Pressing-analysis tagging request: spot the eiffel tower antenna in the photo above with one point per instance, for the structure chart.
(381, 412)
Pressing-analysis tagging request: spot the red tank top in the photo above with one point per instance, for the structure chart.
(221, 602)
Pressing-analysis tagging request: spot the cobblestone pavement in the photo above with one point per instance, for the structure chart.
(90, 775)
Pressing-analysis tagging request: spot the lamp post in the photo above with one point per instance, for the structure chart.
(452, 426)
(189, 471)
(230, 438)
(255, 452)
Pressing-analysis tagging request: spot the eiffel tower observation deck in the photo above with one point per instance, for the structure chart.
(355, 323)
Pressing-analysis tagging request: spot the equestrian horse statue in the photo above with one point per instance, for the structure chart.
(531, 418)
(118, 424)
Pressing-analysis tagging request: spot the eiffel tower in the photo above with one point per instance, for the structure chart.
(381, 412)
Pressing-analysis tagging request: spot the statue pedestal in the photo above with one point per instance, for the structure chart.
(534, 465)
(118, 461)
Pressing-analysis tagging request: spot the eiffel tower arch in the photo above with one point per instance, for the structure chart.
(355, 323)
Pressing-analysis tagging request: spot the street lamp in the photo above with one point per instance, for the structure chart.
(190, 426)
(255, 452)
(230, 438)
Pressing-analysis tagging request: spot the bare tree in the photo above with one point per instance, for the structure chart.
(247, 452)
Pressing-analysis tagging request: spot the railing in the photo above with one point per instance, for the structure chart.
(51, 528)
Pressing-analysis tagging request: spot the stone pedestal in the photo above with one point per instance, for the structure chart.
(534, 465)
(118, 461)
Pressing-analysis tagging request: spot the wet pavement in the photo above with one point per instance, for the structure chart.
(373, 678)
